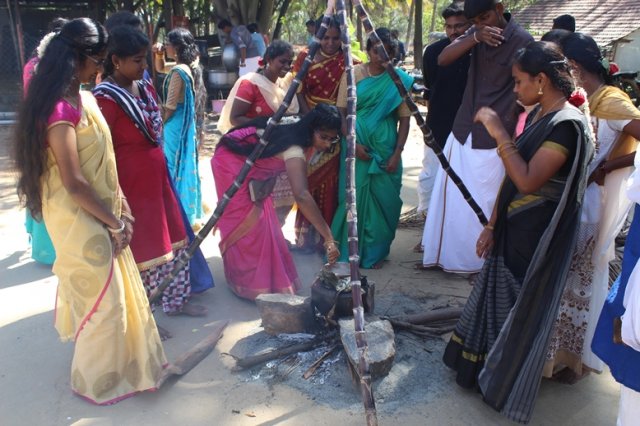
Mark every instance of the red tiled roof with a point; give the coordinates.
(604, 20)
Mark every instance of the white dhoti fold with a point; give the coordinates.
(427, 178)
(629, 411)
(452, 228)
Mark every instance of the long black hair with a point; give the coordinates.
(57, 68)
(545, 57)
(385, 37)
(322, 117)
(585, 51)
(124, 41)
(187, 52)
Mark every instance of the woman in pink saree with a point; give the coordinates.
(254, 252)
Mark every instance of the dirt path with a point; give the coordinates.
(34, 365)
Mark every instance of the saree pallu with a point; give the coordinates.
(377, 191)
(101, 303)
(181, 147)
(321, 83)
(501, 338)
(42, 249)
(320, 86)
(322, 179)
(254, 252)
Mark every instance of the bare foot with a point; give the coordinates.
(472, 278)
(164, 333)
(420, 267)
(418, 248)
(377, 265)
(190, 310)
(568, 376)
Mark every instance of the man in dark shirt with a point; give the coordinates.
(444, 90)
(452, 228)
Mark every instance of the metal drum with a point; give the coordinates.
(230, 58)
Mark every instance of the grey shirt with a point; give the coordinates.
(240, 37)
(490, 83)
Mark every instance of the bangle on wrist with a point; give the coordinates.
(329, 243)
(117, 230)
(475, 38)
(126, 216)
(489, 227)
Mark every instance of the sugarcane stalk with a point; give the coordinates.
(426, 131)
(186, 255)
(364, 373)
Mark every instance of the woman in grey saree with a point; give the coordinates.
(500, 341)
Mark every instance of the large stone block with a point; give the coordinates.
(285, 313)
(380, 344)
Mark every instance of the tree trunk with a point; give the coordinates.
(417, 36)
(412, 9)
(434, 12)
(281, 13)
(265, 12)
(167, 14)
(178, 7)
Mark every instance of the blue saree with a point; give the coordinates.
(181, 147)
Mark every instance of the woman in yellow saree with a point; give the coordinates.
(67, 173)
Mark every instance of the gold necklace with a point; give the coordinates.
(539, 114)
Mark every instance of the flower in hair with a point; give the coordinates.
(577, 98)
(613, 68)
(289, 119)
(261, 62)
(42, 46)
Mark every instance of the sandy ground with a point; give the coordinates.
(34, 365)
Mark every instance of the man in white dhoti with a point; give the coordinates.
(452, 228)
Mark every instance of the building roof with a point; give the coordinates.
(604, 20)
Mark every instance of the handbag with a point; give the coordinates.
(261, 189)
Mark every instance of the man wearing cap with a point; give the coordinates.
(452, 227)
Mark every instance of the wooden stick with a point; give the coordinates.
(185, 362)
(187, 254)
(432, 316)
(426, 131)
(364, 373)
(311, 370)
(252, 361)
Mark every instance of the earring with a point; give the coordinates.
(540, 92)
(118, 67)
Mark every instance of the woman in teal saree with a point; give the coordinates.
(382, 126)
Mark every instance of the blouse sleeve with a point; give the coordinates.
(294, 151)
(403, 110)
(63, 113)
(563, 138)
(245, 92)
(175, 92)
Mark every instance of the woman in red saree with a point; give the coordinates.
(320, 85)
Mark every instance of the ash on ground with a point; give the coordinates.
(417, 365)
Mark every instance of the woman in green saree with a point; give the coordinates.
(382, 126)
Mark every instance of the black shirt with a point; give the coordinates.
(445, 87)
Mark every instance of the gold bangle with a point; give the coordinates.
(117, 230)
(127, 217)
(489, 227)
(159, 53)
(327, 243)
